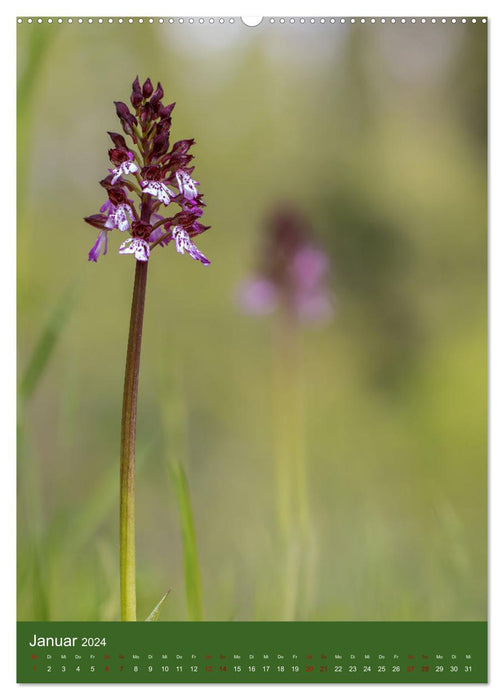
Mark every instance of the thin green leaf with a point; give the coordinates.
(191, 562)
(155, 613)
(46, 343)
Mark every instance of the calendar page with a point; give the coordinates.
(252, 349)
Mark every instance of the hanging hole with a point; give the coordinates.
(251, 21)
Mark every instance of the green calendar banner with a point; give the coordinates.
(245, 652)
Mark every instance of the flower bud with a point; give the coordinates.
(158, 93)
(155, 100)
(182, 146)
(146, 113)
(117, 140)
(165, 112)
(163, 125)
(160, 144)
(179, 161)
(136, 95)
(147, 88)
(127, 119)
(96, 220)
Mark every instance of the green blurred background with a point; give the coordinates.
(378, 135)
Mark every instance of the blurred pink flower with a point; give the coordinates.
(309, 266)
(257, 296)
(293, 273)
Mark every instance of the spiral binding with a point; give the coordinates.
(265, 20)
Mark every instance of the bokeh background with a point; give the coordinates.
(378, 135)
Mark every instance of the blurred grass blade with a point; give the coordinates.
(191, 563)
(47, 342)
(155, 613)
(30, 65)
(84, 523)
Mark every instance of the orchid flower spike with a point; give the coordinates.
(148, 177)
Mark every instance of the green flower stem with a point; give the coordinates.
(282, 409)
(291, 470)
(128, 436)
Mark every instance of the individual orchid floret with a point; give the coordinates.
(100, 244)
(187, 185)
(119, 217)
(183, 244)
(137, 247)
(125, 168)
(149, 174)
(158, 190)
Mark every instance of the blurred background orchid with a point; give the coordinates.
(292, 271)
(292, 282)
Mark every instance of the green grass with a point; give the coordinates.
(47, 342)
(154, 615)
(192, 571)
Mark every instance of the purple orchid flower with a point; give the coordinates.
(125, 168)
(183, 244)
(187, 185)
(158, 190)
(137, 247)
